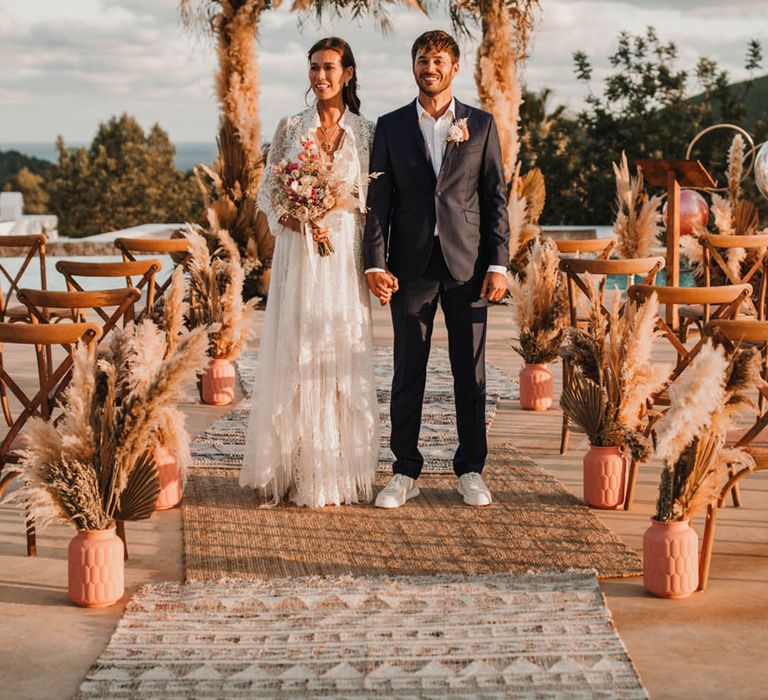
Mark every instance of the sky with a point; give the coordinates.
(66, 66)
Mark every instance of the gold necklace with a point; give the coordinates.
(327, 144)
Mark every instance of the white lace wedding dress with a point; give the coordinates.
(313, 431)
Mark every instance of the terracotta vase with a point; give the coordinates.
(535, 387)
(170, 478)
(217, 385)
(670, 559)
(604, 477)
(96, 568)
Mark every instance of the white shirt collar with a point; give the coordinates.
(448, 114)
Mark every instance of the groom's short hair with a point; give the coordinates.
(436, 40)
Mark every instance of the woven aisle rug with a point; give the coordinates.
(533, 524)
(223, 443)
(525, 636)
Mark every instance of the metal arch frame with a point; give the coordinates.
(751, 153)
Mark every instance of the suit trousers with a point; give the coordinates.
(413, 310)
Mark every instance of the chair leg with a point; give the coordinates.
(121, 534)
(31, 536)
(631, 483)
(564, 431)
(735, 493)
(705, 558)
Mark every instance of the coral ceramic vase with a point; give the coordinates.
(96, 568)
(535, 387)
(218, 383)
(670, 559)
(604, 477)
(170, 478)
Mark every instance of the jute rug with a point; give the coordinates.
(222, 445)
(525, 636)
(534, 524)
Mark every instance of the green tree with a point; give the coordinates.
(645, 109)
(31, 186)
(125, 178)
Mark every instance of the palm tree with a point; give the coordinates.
(506, 28)
(235, 182)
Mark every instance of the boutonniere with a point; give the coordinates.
(458, 132)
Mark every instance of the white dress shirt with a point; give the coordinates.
(435, 132)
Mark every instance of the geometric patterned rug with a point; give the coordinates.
(496, 636)
(222, 445)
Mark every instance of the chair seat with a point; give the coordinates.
(692, 311)
(20, 312)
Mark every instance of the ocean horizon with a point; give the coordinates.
(188, 153)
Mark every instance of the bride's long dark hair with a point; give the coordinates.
(349, 91)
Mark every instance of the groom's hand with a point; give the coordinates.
(382, 285)
(494, 286)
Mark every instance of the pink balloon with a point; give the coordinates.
(693, 208)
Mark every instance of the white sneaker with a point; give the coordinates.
(473, 489)
(399, 489)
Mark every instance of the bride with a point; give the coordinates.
(313, 431)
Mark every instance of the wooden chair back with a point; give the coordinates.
(576, 270)
(601, 247)
(121, 301)
(34, 245)
(178, 248)
(51, 382)
(716, 249)
(144, 270)
(734, 333)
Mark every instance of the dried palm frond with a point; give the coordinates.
(138, 498)
(638, 217)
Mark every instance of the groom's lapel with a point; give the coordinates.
(418, 137)
(462, 111)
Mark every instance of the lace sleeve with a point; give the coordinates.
(267, 200)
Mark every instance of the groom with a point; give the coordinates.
(437, 232)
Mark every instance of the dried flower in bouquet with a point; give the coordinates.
(638, 217)
(540, 305)
(94, 465)
(525, 205)
(690, 438)
(215, 293)
(613, 377)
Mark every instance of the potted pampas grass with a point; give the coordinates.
(94, 466)
(540, 308)
(690, 442)
(638, 217)
(159, 339)
(216, 302)
(611, 380)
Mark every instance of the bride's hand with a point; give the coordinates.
(290, 222)
(320, 234)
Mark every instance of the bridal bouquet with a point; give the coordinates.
(309, 189)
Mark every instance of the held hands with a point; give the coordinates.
(383, 285)
(494, 286)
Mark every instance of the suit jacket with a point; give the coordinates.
(467, 200)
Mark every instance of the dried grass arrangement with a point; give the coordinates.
(613, 377)
(95, 466)
(732, 215)
(525, 206)
(215, 294)
(540, 305)
(638, 217)
(690, 438)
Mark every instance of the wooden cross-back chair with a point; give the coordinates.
(722, 302)
(144, 270)
(716, 248)
(111, 305)
(52, 379)
(176, 247)
(576, 272)
(35, 248)
(735, 333)
(600, 247)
